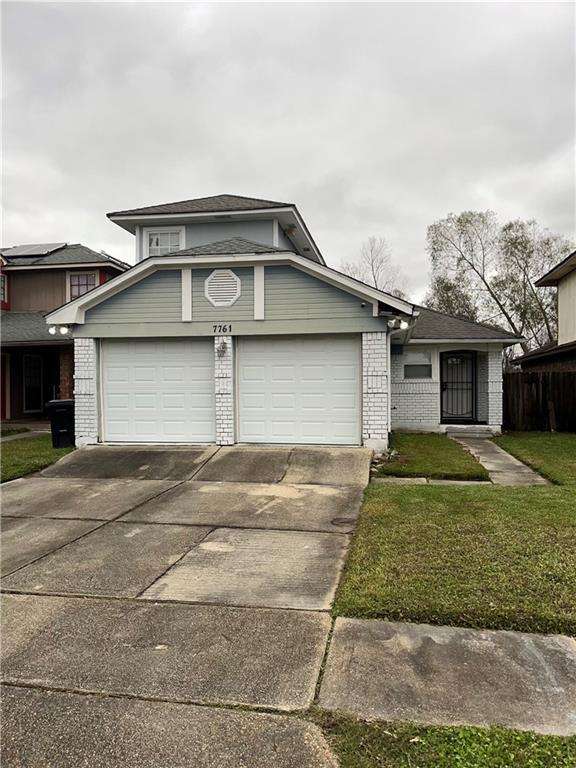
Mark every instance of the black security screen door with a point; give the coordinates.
(458, 386)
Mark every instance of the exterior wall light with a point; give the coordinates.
(395, 322)
(52, 330)
(64, 330)
(403, 325)
(221, 349)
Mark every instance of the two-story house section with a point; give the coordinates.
(559, 355)
(37, 365)
(231, 328)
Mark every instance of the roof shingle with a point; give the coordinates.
(75, 253)
(26, 328)
(214, 204)
(234, 245)
(435, 325)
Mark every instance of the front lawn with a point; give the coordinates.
(553, 454)
(21, 457)
(360, 744)
(7, 431)
(430, 455)
(501, 558)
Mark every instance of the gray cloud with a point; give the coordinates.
(373, 118)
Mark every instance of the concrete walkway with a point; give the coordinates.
(503, 468)
(451, 676)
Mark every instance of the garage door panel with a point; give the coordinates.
(159, 391)
(307, 389)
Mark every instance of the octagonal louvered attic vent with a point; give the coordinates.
(222, 288)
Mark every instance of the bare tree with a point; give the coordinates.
(375, 267)
(495, 268)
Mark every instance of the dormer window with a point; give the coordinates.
(159, 242)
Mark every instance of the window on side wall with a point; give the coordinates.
(80, 283)
(4, 287)
(417, 365)
(163, 241)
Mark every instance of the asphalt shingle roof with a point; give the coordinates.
(26, 327)
(75, 253)
(214, 204)
(435, 325)
(231, 246)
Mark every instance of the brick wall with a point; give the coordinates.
(224, 383)
(375, 394)
(66, 384)
(495, 388)
(85, 391)
(415, 402)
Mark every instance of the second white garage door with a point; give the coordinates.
(299, 389)
(159, 391)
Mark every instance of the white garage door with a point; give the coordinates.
(159, 391)
(299, 389)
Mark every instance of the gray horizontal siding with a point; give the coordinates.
(260, 231)
(292, 294)
(243, 307)
(157, 298)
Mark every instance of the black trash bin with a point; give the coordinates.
(61, 414)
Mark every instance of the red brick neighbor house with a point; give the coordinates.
(37, 366)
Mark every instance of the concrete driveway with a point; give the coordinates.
(178, 575)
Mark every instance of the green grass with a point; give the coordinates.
(501, 558)
(429, 455)
(360, 744)
(7, 431)
(21, 457)
(553, 454)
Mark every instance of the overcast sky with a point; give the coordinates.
(375, 119)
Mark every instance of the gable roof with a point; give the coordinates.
(74, 311)
(553, 276)
(213, 204)
(231, 246)
(431, 324)
(56, 254)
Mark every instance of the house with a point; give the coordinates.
(231, 328)
(560, 355)
(37, 365)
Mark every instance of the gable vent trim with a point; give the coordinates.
(222, 288)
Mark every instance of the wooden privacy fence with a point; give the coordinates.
(544, 401)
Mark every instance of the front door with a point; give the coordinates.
(458, 397)
(33, 384)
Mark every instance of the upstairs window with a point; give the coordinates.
(159, 242)
(80, 283)
(4, 288)
(417, 365)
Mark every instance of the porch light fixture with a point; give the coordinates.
(52, 330)
(395, 322)
(64, 330)
(403, 325)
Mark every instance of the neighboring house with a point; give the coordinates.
(231, 328)
(560, 355)
(37, 366)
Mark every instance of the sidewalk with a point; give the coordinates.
(503, 468)
(442, 675)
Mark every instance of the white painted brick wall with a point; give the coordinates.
(416, 402)
(224, 384)
(375, 393)
(86, 391)
(495, 388)
(482, 386)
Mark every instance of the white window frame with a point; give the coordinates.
(69, 274)
(418, 350)
(146, 231)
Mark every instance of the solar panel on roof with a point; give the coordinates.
(36, 249)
